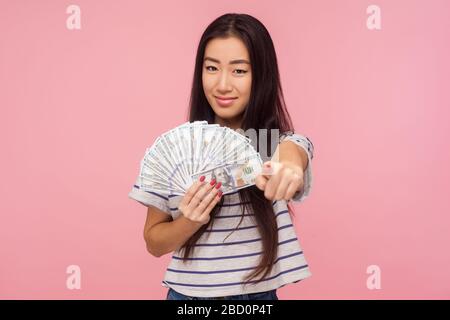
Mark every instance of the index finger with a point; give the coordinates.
(192, 191)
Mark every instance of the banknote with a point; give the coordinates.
(233, 176)
(179, 156)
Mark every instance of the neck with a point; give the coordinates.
(230, 123)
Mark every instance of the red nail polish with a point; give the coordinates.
(219, 194)
(202, 178)
(218, 185)
(213, 181)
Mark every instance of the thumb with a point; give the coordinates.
(267, 168)
(262, 178)
(261, 182)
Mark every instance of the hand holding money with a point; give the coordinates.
(199, 200)
(280, 180)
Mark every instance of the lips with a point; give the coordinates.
(224, 98)
(224, 101)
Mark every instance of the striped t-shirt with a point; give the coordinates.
(221, 258)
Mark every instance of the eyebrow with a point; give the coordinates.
(231, 62)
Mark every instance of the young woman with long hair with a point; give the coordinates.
(241, 245)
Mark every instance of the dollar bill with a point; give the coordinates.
(233, 176)
(179, 156)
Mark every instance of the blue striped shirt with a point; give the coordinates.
(222, 258)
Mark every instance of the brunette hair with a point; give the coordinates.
(266, 109)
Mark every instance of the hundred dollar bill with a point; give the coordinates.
(152, 180)
(234, 176)
(154, 161)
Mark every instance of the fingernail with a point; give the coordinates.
(213, 181)
(218, 185)
(202, 178)
(219, 194)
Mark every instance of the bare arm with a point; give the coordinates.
(163, 235)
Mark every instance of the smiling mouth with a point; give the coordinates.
(225, 98)
(225, 102)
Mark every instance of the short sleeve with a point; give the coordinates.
(149, 198)
(305, 143)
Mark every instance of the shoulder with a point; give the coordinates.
(148, 197)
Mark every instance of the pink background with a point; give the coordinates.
(79, 107)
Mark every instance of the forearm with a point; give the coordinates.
(167, 237)
(289, 152)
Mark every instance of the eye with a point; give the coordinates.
(240, 71)
(243, 71)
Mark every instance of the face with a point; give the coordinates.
(227, 73)
(220, 176)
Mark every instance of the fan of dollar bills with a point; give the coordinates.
(180, 156)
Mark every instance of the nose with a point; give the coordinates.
(224, 84)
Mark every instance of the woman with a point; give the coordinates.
(241, 245)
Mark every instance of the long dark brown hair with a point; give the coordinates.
(266, 110)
